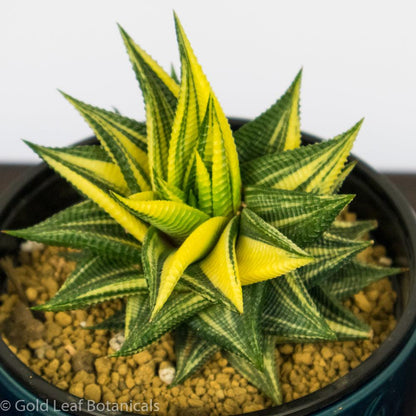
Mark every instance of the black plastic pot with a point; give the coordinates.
(382, 385)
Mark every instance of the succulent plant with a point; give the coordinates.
(231, 239)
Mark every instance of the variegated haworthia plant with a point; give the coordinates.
(229, 238)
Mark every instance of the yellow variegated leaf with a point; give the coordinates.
(348, 168)
(204, 92)
(160, 95)
(122, 141)
(186, 124)
(128, 221)
(314, 168)
(173, 218)
(144, 196)
(90, 161)
(203, 185)
(169, 191)
(195, 247)
(276, 130)
(220, 266)
(263, 252)
(158, 71)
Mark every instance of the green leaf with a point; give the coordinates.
(354, 277)
(267, 380)
(290, 313)
(160, 94)
(330, 253)
(352, 230)
(191, 353)
(232, 331)
(97, 279)
(123, 140)
(176, 219)
(314, 168)
(140, 332)
(300, 216)
(87, 177)
(84, 226)
(341, 320)
(274, 131)
(263, 252)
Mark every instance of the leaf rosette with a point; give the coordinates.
(231, 238)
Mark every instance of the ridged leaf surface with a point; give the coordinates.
(263, 252)
(232, 331)
(330, 253)
(267, 380)
(341, 320)
(89, 182)
(276, 130)
(300, 216)
(140, 332)
(314, 168)
(191, 353)
(160, 94)
(355, 276)
(84, 226)
(290, 313)
(97, 279)
(124, 140)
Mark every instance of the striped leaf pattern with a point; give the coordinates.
(300, 216)
(355, 276)
(341, 320)
(90, 183)
(263, 252)
(140, 332)
(84, 226)
(239, 257)
(314, 168)
(267, 380)
(123, 139)
(97, 279)
(160, 94)
(92, 162)
(208, 104)
(191, 353)
(155, 251)
(274, 131)
(232, 331)
(336, 186)
(352, 230)
(220, 266)
(290, 313)
(330, 253)
(196, 246)
(174, 218)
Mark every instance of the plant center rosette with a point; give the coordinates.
(230, 239)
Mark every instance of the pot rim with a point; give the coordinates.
(379, 360)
